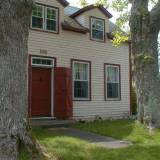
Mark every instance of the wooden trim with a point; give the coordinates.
(105, 93)
(90, 77)
(87, 8)
(30, 77)
(130, 76)
(44, 30)
(102, 41)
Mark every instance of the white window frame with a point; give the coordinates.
(81, 62)
(91, 25)
(45, 18)
(42, 65)
(106, 82)
(39, 17)
(51, 19)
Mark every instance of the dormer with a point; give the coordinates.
(95, 19)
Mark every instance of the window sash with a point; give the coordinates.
(94, 28)
(87, 80)
(108, 82)
(38, 17)
(50, 19)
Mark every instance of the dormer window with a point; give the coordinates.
(97, 29)
(45, 18)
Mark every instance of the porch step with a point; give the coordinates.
(51, 122)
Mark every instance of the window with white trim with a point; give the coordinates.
(43, 62)
(112, 73)
(81, 80)
(45, 18)
(97, 29)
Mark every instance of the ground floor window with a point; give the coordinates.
(81, 79)
(112, 82)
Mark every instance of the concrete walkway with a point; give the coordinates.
(99, 140)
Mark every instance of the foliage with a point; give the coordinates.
(69, 148)
(83, 3)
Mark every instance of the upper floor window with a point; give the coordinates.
(45, 18)
(97, 29)
(112, 73)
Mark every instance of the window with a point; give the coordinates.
(112, 73)
(38, 17)
(44, 62)
(81, 80)
(97, 29)
(45, 18)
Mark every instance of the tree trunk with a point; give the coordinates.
(144, 36)
(14, 30)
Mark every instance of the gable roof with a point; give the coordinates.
(100, 7)
(63, 2)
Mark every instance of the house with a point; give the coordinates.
(74, 69)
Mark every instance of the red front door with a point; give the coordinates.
(41, 92)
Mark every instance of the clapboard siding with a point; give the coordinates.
(71, 45)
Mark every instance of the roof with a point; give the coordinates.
(71, 23)
(87, 8)
(63, 2)
(69, 10)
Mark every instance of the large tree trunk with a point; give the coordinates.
(144, 36)
(14, 30)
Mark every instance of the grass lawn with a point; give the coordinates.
(144, 147)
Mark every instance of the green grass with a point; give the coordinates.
(145, 147)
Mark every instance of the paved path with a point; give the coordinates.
(99, 140)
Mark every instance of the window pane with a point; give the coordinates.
(97, 34)
(80, 71)
(37, 22)
(112, 74)
(80, 89)
(51, 25)
(98, 24)
(37, 11)
(51, 14)
(113, 90)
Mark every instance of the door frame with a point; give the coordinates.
(30, 66)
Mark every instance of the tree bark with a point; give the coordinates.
(14, 29)
(144, 36)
